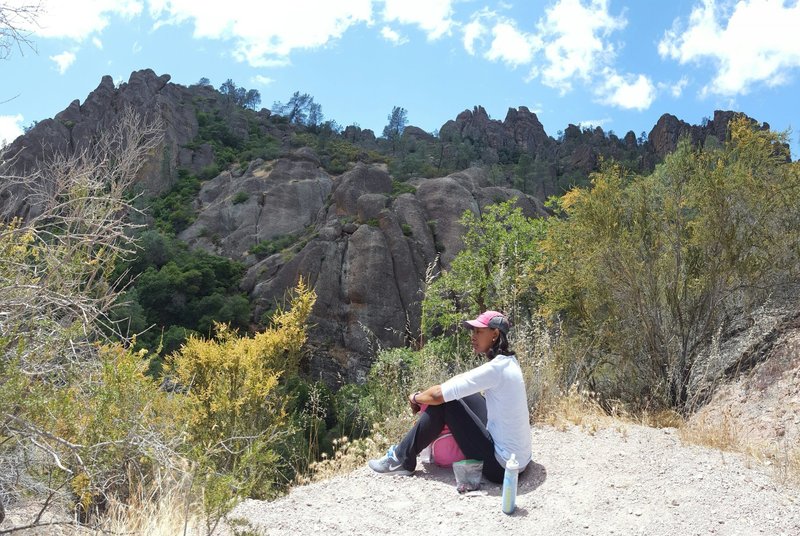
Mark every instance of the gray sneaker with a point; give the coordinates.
(389, 465)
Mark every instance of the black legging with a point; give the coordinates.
(468, 429)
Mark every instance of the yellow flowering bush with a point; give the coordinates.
(235, 401)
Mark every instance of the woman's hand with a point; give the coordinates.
(431, 397)
(412, 401)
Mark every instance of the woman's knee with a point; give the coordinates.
(436, 410)
(435, 414)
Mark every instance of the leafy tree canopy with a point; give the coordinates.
(398, 120)
(645, 270)
(300, 110)
(495, 269)
(246, 98)
(176, 292)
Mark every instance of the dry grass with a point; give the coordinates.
(725, 433)
(162, 510)
(575, 407)
(721, 433)
(167, 508)
(665, 418)
(348, 456)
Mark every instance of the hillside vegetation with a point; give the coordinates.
(617, 295)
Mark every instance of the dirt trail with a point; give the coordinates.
(624, 480)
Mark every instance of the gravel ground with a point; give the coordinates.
(622, 480)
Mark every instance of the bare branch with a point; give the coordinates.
(15, 27)
(56, 294)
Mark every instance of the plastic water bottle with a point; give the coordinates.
(510, 485)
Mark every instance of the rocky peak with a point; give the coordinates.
(525, 129)
(664, 137)
(415, 133)
(630, 140)
(669, 130)
(473, 125)
(520, 132)
(78, 125)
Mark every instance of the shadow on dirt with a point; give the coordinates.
(533, 477)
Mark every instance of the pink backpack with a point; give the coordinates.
(444, 450)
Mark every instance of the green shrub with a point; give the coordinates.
(399, 188)
(259, 145)
(209, 172)
(178, 291)
(173, 211)
(236, 404)
(214, 129)
(303, 139)
(397, 372)
(494, 270)
(265, 248)
(240, 197)
(645, 270)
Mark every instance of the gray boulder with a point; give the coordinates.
(444, 201)
(366, 257)
(267, 201)
(362, 179)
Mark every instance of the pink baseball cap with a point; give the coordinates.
(489, 319)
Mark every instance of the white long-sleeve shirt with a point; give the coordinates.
(508, 420)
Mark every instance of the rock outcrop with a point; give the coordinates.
(520, 132)
(365, 251)
(669, 130)
(748, 380)
(236, 212)
(77, 126)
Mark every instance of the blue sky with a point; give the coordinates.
(610, 63)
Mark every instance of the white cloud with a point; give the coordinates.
(628, 92)
(97, 43)
(10, 128)
(434, 17)
(751, 42)
(508, 43)
(64, 60)
(574, 41)
(511, 45)
(536, 108)
(261, 80)
(265, 33)
(677, 88)
(78, 19)
(593, 123)
(393, 36)
(473, 31)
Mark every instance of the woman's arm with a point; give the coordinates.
(431, 396)
(473, 381)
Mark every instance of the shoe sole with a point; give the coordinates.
(404, 472)
(399, 472)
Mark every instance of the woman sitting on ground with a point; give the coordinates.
(489, 428)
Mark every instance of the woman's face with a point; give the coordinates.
(483, 339)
